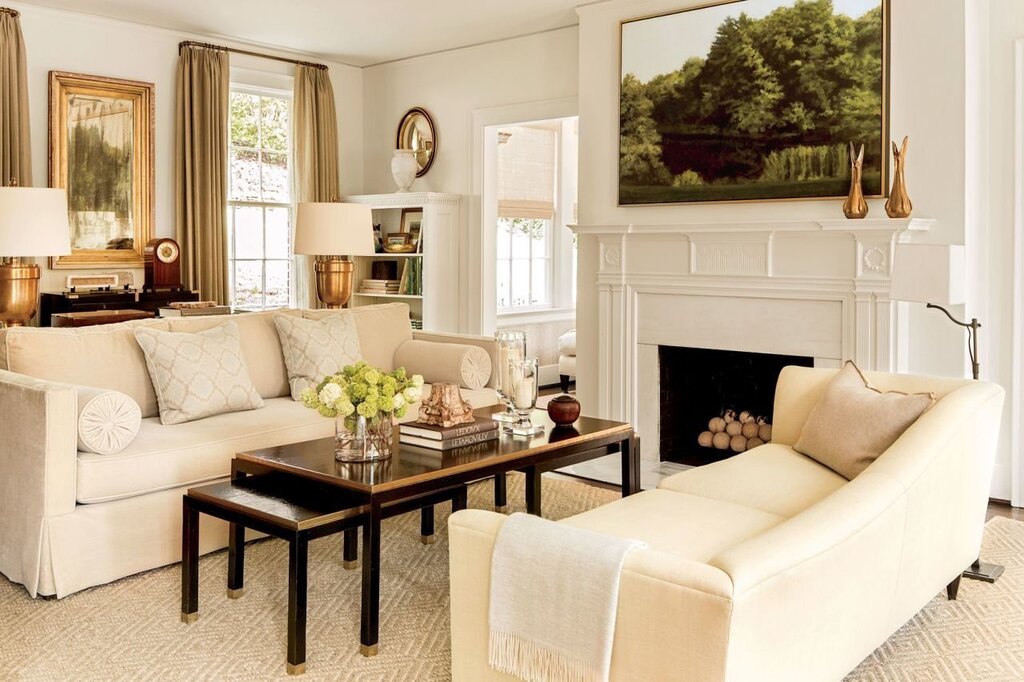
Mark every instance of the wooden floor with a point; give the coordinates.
(1005, 510)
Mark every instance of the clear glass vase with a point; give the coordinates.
(357, 439)
(511, 348)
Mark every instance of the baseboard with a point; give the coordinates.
(548, 375)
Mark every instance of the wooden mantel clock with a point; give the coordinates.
(163, 264)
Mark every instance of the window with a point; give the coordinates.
(259, 199)
(536, 193)
(524, 263)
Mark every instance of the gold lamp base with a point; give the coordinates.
(19, 292)
(333, 281)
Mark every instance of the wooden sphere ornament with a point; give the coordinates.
(445, 407)
(716, 425)
(738, 443)
(749, 429)
(733, 428)
(705, 439)
(720, 441)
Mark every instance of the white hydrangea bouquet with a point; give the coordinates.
(364, 401)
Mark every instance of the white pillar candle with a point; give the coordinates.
(502, 381)
(524, 394)
(514, 356)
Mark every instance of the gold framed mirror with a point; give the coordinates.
(416, 132)
(101, 152)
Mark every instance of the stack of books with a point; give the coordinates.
(412, 277)
(379, 286)
(194, 309)
(445, 438)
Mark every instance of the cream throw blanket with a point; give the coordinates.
(554, 593)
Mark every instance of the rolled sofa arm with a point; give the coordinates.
(486, 342)
(673, 613)
(38, 455)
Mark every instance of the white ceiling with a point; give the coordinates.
(357, 32)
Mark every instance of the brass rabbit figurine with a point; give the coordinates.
(855, 206)
(898, 204)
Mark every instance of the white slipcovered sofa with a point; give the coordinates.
(69, 519)
(768, 565)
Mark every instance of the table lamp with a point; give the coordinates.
(935, 274)
(33, 223)
(333, 231)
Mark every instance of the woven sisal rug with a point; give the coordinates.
(130, 630)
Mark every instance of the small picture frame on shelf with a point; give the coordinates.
(378, 238)
(412, 220)
(400, 239)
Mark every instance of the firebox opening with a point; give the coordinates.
(716, 403)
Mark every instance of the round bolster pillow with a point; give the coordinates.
(108, 421)
(456, 363)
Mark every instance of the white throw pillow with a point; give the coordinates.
(108, 421)
(198, 375)
(315, 348)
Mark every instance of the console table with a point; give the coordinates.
(118, 299)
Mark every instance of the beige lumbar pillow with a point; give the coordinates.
(315, 348)
(854, 422)
(198, 375)
(108, 421)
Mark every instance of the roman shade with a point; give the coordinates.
(526, 172)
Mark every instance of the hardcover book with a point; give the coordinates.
(449, 443)
(435, 432)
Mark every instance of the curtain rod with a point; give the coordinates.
(8, 10)
(209, 46)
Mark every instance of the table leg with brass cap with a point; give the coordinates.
(369, 628)
(189, 563)
(427, 536)
(350, 549)
(298, 555)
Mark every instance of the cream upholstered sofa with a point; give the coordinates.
(768, 566)
(69, 519)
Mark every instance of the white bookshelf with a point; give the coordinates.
(437, 307)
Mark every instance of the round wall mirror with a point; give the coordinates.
(416, 132)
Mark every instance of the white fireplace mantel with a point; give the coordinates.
(818, 288)
(866, 225)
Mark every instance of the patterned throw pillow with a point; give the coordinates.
(198, 375)
(315, 348)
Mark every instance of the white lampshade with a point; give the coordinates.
(333, 229)
(34, 222)
(929, 273)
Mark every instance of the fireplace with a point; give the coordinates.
(716, 403)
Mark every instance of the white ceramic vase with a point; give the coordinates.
(403, 168)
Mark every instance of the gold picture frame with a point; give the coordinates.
(102, 153)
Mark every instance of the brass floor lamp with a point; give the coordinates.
(925, 273)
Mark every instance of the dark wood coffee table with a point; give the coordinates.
(413, 474)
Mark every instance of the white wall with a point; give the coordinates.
(453, 86)
(997, 192)
(68, 41)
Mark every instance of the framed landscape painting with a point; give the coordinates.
(101, 152)
(753, 100)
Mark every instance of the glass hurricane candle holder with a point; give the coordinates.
(511, 346)
(523, 389)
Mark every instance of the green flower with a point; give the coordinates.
(356, 391)
(368, 410)
(308, 397)
(346, 408)
(327, 412)
(400, 374)
(372, 377)
(400, 412)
